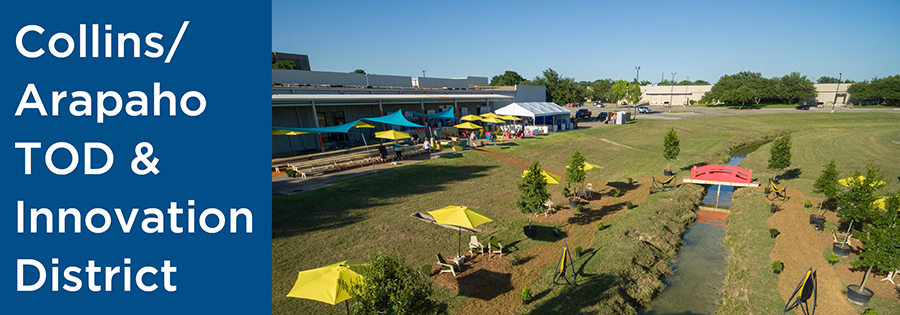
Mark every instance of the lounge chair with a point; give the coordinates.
(839, 237)
(662, 184)
(590, 191)
(474, 244)
(445, 267)
(494, 247)
(773, 193)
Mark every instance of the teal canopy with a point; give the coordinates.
(396, 119)
(446, 114)
(345, 128)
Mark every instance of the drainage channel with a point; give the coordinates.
(699, 268)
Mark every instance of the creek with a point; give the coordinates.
(699, 269)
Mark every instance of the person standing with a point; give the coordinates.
(426, 146)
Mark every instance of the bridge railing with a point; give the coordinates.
(722, 173)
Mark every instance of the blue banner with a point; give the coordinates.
(136, 140)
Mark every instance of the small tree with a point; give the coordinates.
(286, 65)
(391, 287)
(780, 154)
(532, 192)
(827, 183)
(856, 202)
(575, 170)
(881, 248)
(672, 147)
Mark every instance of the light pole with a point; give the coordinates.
(423, 73)
(637, 77)
(840, 76)
(672, 92)
(686, 98)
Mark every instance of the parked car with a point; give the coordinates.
(803, 107)
(583, 113)
(643, 109)
(599, 105)
(602, 116)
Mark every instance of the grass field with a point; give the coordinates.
(356, 217)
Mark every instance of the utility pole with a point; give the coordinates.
(840, 76)
(686, 97)
(637, 77)
(672, 92)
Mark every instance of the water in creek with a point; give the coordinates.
(699, 269)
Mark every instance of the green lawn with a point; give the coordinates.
(354, 218)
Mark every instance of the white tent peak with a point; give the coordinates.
(532, 109)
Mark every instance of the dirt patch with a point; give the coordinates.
(801, 247)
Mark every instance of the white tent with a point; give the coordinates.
(532, 109)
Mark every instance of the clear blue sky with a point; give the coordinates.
(589, 40)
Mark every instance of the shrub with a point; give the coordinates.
(513, 260)
(615, 192)
(579, 250)
(600, 225)
(290, 172)
(833, 258)
(870, 312)
(630, 181)
(426, 270)
(773, 231)
(579, 208)
(777, 266)
(808, 203)
(526, 294)
(629, 205)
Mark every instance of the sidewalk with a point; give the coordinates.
(284, 185)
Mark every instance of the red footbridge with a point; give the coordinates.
(727, 175)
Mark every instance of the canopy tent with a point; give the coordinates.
(396, 119)
(345, 128)
(533, 110)
(446, 114)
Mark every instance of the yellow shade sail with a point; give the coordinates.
(491, 115)
(321, 284)
(467, 125)
(470, 117)
(549, 178)
(493, 120)
(510, 117)
(287, 132)
(391, 134)
(850, 180)
(590, 167)
(362, 124)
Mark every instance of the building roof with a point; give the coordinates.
(349, 98)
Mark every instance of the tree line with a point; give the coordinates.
(883, 91)
(564, 90)
(751, 87)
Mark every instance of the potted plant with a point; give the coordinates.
(615, 193)
(290, 172)
(777, 267)
(578, 251)
(600, 226)
(573, 203)
(671, 149)
(629, 205)
(833, 259)
(773, 232)
(808, 203)
(526, 295)
(532, 196)
(773, 207)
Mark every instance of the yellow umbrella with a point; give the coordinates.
(362, 124)
(510, 117)
(549, 178)
(321, 284)
(491, 115)
(492, 120)
(277, 132)
(470, 117)
(850, 180)
(458, 216)
(391, 134)
(590, 167)
(467, 125)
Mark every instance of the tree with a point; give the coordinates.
(880, 238)
(855, 203)
(559, 90)
(701, 82)
(285, 64)
(795, 87)
(780, 154)
(672, 147)
(633, 93)
(575, 169)
(508, 78)
(532, 192)
(391, 287)
(879, 91)
(827, 183)
(827, 79)
(600, 90)
(645, 82)
(360, 71)
(619, 91)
